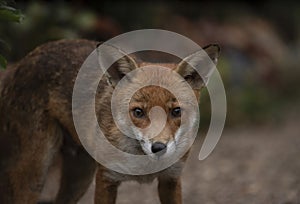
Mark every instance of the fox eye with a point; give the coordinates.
(138, 113)
(176, 112)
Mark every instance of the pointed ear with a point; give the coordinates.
(204, 61)
(122, 63)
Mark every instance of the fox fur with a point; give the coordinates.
(36, 124)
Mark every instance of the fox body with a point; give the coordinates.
(36, 123)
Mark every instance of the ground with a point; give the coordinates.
(258, 165)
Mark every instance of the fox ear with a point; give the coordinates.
(122, 63)
(201, 62)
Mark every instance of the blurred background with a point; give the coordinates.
(256, 159)
(260, 41)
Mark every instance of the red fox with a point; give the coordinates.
(36, 124)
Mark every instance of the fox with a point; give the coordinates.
(36, 124)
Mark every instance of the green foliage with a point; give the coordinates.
(3, 62)
(10, 14)
(7, 14)
(67, 23)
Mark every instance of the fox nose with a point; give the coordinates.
(158, 147)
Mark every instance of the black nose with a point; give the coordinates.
(158, 147)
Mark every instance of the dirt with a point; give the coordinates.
(258, 165)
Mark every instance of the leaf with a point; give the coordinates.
(3, 62)
(8, 13)
(4, 46)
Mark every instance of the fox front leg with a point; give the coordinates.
(169, 190)
(106, 189)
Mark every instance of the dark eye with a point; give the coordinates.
(138, 113)
(189, 78)
(176, 112)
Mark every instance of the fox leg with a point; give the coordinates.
(78, 169)
(106, 189)
(23, 179)
(169, 190)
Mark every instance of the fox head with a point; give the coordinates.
(154, 115)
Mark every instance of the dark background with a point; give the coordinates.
(259, 40)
